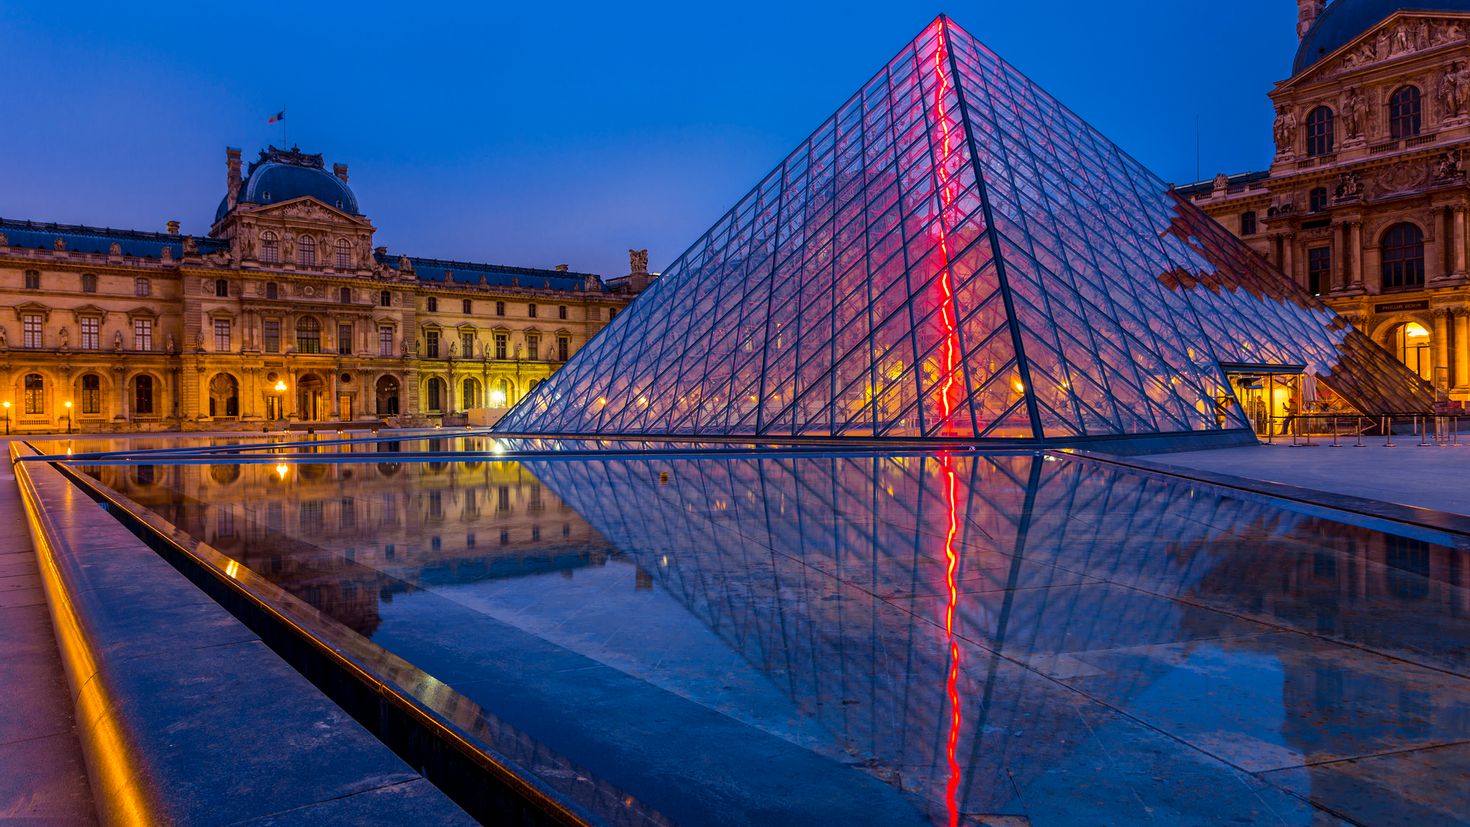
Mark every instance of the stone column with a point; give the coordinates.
(336, 399)
(1441, 342)
(1288, 257)
(1458, 259)
(1462, 347)
(1356, 246)
(119, 380)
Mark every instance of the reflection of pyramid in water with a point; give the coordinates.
(953, 253)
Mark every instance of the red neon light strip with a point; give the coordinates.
(947, 197)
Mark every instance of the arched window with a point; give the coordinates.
(270, 247)
(1248, 222)
(1405, 113)
(91, 387)
(502, 396)
(436, 394)
(221, 288)
(1320, 133)
(1402, 250)
(308, 335)
(471, 396)
(345, 295)
(306, 251)
(35, 393)
(89, 283)
(343, 254)
(143, 394)
(272, 290)
(1411, 344)
(1317, 199)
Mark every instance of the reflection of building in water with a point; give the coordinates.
(828, 576)
(344, 536)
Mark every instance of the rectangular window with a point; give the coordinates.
(531, 310)
(142, 287)
(91, 333)
(271, 333)
(466, 304)
(35, 389)
(142, 334)
(431, 344)
(344, 339)
(385, 341)
(501, 341)
(467, 345)
(561, 311)
(563, 348)
(33, 280)
(31, 329)
(433, 305)
(533, 346)
(91, 394)
(500, 308)
(222, 335)
(1319, 269)
(612, 313)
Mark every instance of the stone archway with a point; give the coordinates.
(386, 392)
(310, 398)
(224, 396)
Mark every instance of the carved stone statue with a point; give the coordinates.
(63, 336)
(59, 244)
(1355, 114)
(1448, 165)
(453, 349)
(199, 341)
(4, 242)
(114, 249)
(1349, 185)
(169, 344)
(1285, 130)
(1451, 93)
(1222, 183)
(288, 247)
(4, 342)
(117, 341)
(638, 262)
(404, 264)
(247, 245)
(167, 255)
(191, 247)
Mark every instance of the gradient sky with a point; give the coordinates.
(534, 134)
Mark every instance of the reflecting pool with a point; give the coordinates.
(940, 638)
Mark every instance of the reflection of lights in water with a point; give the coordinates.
(664, 561)
(951, 684)
(496, 447)
(282, 470)
(1019, 386)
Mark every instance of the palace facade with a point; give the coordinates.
(1365, 201)
(287, 311)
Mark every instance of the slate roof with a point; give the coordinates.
(40, 235)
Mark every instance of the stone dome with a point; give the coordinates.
(1343, 20)
(285, 174)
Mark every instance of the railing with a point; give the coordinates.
(1421, 140)
(1430, 430)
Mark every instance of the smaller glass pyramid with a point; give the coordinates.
(954, 254)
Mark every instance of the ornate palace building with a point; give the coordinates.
(1365, 202)
(286, 311)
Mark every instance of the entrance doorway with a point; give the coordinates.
(1268, 399)
(309, 393)
(344, 404)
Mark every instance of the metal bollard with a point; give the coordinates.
(1335, 443)
(1388, 432)
(1423, 431)
(1358, 426)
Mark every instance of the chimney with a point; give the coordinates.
(340, 170)
(232, 177)
(562, 268)
(1307, 12)
(173, 227)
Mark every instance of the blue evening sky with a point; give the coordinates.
(534, 133)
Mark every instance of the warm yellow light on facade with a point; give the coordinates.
(497, 399)
(282, 470)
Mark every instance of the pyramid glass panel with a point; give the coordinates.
(954, 254)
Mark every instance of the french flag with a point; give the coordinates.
(279, 116)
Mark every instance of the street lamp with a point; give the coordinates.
(68, 415)
(280, 390)
(6, 403)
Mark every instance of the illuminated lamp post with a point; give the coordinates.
(68, 415)
(280, 390)
(6, 403)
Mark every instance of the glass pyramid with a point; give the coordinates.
(954, 254)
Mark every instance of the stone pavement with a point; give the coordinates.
(1422, 477)
(42, 777)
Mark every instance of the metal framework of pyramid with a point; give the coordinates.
(954, 254)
